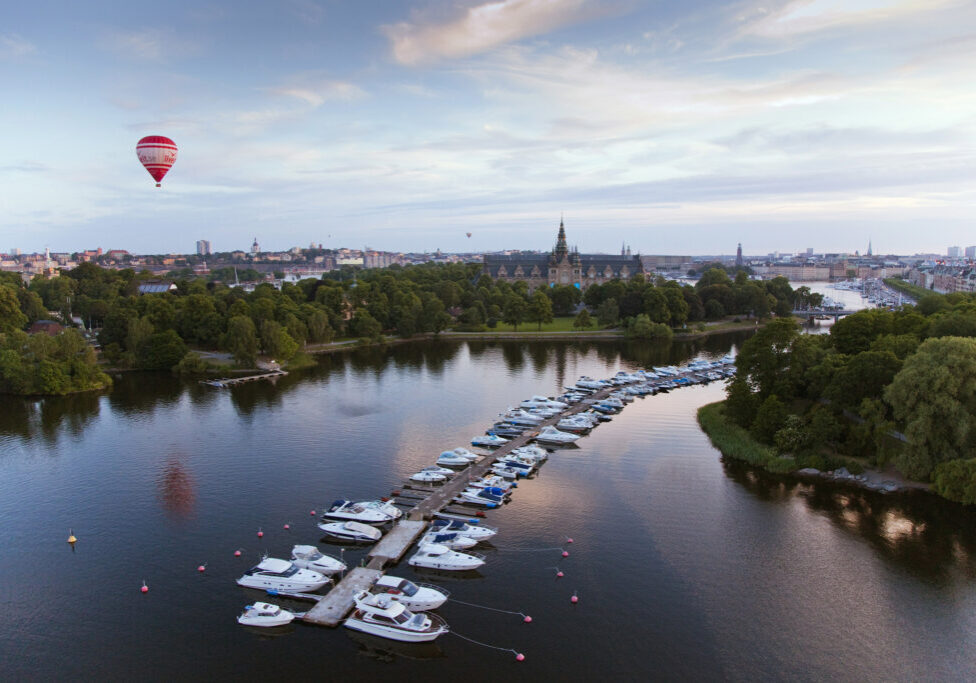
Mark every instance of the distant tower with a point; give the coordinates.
(738, 255)
(561, 249)
(254, 247)
(869, 247)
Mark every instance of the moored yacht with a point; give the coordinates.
(265, 615)
(488, 441)
(351, 532)
(550, 434)
(370, 512)
(436, 556)
(417, 597)
(475, 531)
(381, 615)
(275, 574)
(309, 557)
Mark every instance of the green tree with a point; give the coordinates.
(764, 358)
(863, 376)
(276, 341)
(11, 317)
(582, 320)
(934, 395)
(564, 299)
(515, 311)
(770, 418)
(161, 351)
(608, 315)
(956, 480)
(241, 340)
(741, 403)
(540, 308)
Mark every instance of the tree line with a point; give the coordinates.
(155, 331)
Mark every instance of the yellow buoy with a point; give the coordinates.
(71, 536)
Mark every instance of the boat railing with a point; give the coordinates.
(433, 587)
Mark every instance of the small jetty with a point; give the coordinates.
(231, 381)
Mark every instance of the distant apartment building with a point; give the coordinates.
(666, 262)
(954, 252)
(379, 259)
(971, 252)
(203, 248)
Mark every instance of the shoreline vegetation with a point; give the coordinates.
(737, 443)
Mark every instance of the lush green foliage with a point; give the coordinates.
(956, 480)
(42, 364)
(877, 373)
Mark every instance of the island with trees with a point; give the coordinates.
(884, 388)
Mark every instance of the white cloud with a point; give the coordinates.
(315, 94)
(13, 46)
(808, 16)
(484, 27)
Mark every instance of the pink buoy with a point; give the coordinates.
(287, 526)
(565, 553)
(260, 533)
(237, 553)
(559, 575)
(569, 540)
(311, 512)
(202, 568)
(528, 619)
(519, 657)
(145, 588)
(574, 599)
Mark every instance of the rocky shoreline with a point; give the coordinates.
(873, 480)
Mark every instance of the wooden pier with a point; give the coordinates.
(230, 381)
(337, 603)
(395, 543)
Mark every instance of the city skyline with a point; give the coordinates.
(407, 126)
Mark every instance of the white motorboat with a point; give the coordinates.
(493, 480)
(371, 512)
(574, 424)
(452, 459)
(451, 539)
(428, 476)
(521, 417)
(551, 402)
(417, 597)
(550, 434)
(265, 615)
(309, 557)
(475, 531)
(506, 471)
(275, 574)
(351, 532)
(381, 615)
(488, 441)
(484, 497)
(534, 453)
(585, 382)
(518, 463)
(436, 556)
(465, 453)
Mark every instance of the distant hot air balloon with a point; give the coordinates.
(157, 154)
(468, 234)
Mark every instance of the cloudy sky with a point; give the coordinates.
(677, 127)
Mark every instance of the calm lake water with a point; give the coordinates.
(686, 567)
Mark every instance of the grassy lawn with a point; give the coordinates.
(557, 325)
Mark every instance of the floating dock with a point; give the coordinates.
(337, 603)
(230, 381)
(395, 543)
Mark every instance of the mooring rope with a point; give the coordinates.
(493, 609)
(478, 642)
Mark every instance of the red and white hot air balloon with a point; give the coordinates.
(158, 154)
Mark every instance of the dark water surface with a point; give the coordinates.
(686, 567)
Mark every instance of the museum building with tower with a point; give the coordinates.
(563, 266)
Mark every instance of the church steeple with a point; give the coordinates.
(561, 249)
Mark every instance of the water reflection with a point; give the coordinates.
(385, 650)
(924, 535)
(176, 487)
(48, 418)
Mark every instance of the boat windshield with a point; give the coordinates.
(403, 617)
(409, 589)
(313, 556)
(288, 572)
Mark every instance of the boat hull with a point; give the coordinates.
(391, 633)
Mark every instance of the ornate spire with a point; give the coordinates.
(561, 249)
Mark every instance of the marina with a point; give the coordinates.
(181, 490)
